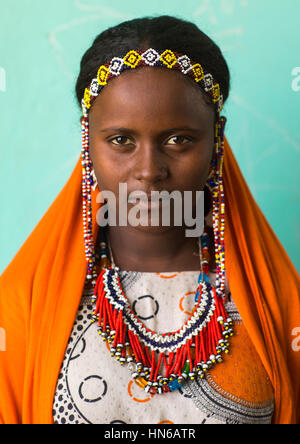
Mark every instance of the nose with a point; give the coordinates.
(150, 166)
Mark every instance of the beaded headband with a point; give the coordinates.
(166, 59)
(171, 60)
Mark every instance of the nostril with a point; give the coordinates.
(151, 169)
(151, 175)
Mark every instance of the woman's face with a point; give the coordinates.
(151, 129)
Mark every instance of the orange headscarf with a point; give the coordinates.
(40, 292)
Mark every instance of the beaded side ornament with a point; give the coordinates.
(198, 345)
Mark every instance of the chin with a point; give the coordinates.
(151, 229)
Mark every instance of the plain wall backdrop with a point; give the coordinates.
(41, 45)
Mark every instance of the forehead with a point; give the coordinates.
(158, 94)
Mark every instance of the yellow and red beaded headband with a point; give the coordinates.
(166, 59)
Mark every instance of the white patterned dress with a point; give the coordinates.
(93, 388)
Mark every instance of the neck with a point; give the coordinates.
(155, 251)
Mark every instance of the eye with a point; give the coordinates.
(120, 140)
(178, 140)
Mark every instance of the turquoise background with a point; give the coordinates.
(41, 45)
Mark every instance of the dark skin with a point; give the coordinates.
(152, 129)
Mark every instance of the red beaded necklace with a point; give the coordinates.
(162, 362)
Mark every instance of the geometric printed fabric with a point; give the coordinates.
(93, 388)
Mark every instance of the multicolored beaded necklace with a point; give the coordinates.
(160, 363)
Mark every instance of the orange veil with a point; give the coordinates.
(40, 292)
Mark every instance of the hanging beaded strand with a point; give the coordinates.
(87, 182)
(216, 184)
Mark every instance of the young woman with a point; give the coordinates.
(192, 329)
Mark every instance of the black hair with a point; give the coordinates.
(162, 32)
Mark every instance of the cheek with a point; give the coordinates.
(192, 173)
(106, 180)
(109, 171)
(196, 165)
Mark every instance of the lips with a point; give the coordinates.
(144, 200)
(139, 194)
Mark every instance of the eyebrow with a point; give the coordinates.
(167, 131)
